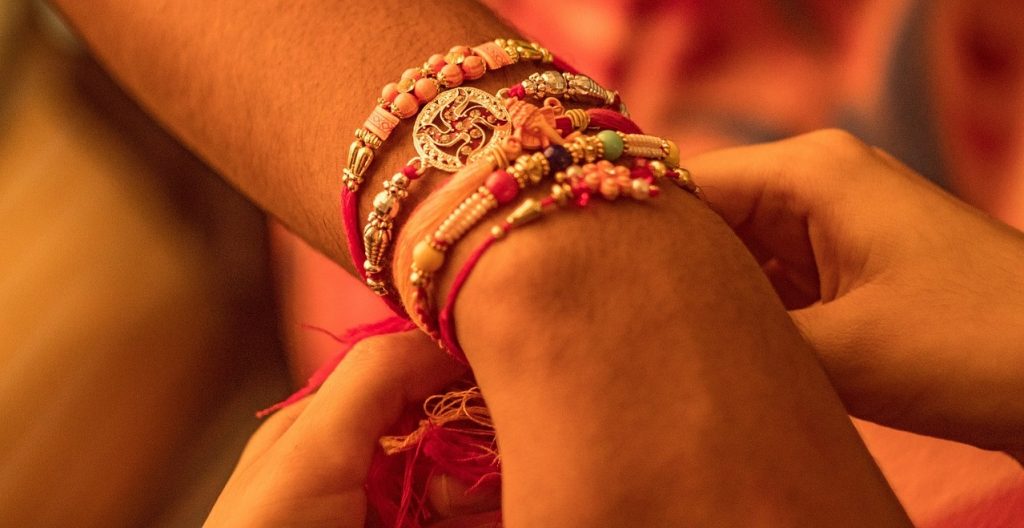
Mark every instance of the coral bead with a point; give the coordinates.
(473, 67)
(460, 50)
(609, 189)
(426, 90)
(436, 62)
(426, 257)
(405, 105)
(503, 186)
(451, 75)
(412, 73)
(389, 92)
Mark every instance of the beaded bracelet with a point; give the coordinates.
(402, 99)
(502, 186)
(418, 86)
(568, 87)
(571, 187)
(524, 119)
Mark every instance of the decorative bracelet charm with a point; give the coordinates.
(418, 86)
(457, 126)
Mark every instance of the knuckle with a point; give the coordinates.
(839, 154)
(838, 141)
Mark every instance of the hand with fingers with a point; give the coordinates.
(913, 300)
(307, 465)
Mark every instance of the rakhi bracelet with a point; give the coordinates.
(418, 86)
(568, 87)
(429, 82)
(530, 169)
(502, 186)
(528, 125)
(577, 188)
(378, 231)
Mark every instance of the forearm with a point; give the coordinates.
(269, 94)
(644, 374)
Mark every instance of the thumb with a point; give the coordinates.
(845, 337)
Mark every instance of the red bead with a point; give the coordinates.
(517, 91)
(503, 186)
(564, 125)
(641, 172)
(410, 172)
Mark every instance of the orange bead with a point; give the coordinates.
(451, 75)
(426, 90)
(473, 67)
(389, 92)
(405, 105)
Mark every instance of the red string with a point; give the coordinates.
(356, 250)
(560, 64)
(348, 340)
(612, 120)
(446, 320)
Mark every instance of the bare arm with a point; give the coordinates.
(268, 93)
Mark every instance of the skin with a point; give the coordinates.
(895, 283)
(686, 396)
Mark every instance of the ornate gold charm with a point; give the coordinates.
(458, 126)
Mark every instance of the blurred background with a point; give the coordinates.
(138, 333)
(147, 310)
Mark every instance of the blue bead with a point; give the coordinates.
(558, 157)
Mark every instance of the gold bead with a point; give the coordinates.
(641, 189)
(527, 211)
(657, 168)
(426, 257)
(672, 156)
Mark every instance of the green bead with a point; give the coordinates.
(612, 144)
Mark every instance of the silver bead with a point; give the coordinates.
(385, 204)
(400, 180)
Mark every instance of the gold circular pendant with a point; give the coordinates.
(456, 127)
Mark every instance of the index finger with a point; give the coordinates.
(365, 395)
(778, 196)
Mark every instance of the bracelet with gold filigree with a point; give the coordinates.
(445, 128)
(418, 86)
